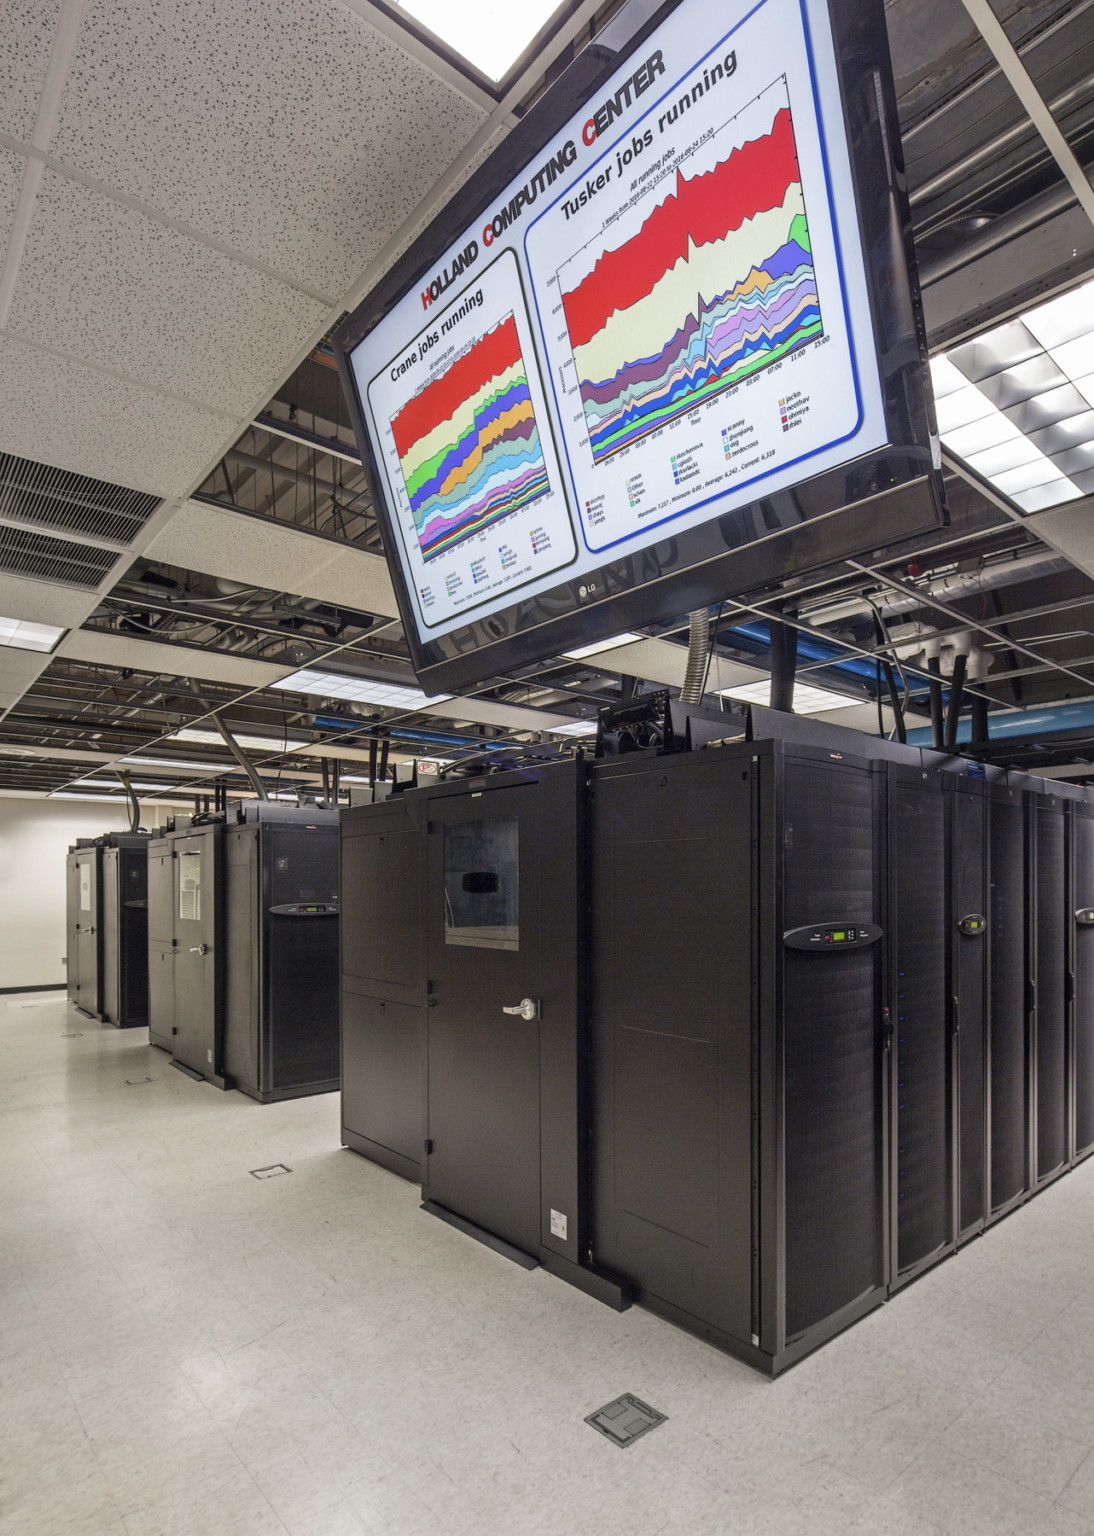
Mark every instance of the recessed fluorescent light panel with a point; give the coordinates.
(602, 645)
(362, 690)
(1017, 404)
(579, 728)
(22, 636)
(255, 743)
(807, 699)
(177, 762)
(134, 783)
(71, 794)
(490, 34)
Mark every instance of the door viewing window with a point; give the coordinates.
(481, 884)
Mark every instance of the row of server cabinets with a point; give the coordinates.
(243, 949)
(106, 923)
(752, 1035)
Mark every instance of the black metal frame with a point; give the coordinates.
(866, 504)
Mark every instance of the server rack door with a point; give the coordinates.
(1082, 901)
(1007, 1052)
(133, 882)
(968, 924)
(922, 1058)
(1050, 1022)
(89, 935)
(72, 928)
(162, 901)
(110, 917)
(300, 954)
(488, 870)
(674, 997)
(198, 961)
(244, 997)
(383, 983)
(833, 1045)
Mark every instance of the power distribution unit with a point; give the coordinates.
(280, 899)
(125, 931)
(741, 1042)
(383, 983)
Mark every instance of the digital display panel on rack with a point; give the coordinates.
(594, 396)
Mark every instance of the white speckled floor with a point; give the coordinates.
(188, 1351)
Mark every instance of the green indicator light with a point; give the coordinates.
(839, 937)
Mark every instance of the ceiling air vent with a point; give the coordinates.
(55, 501)
(60, 561)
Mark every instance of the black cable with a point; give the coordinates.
(953, 707)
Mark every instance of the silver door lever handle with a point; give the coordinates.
(526, 1009)
(199, 949)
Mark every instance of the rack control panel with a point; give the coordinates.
(1085, 917)
(974, 924)
(822, 938)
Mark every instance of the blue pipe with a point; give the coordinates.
(1027, 722)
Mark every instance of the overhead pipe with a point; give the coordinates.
(1002, 573)
(241, 757)
(784, 662)
(978, 726)
(953, 706)
(1022, 723)
(131, 797)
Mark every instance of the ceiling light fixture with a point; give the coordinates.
(255, 743)
(602, 645)
(363, 690)
(807, 699)
(23, 636)
(70, 794)
(490, 34)
(176, 762)
(578, 728)
(1017, 403)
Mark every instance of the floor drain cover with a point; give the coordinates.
(271, 1172)
(623, 1420)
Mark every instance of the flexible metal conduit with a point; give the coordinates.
(241, 758)
(698, 656)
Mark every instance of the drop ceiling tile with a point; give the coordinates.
(103, 282)
(39, 602)
(26, 38)
(11, 176)
(263, 553)
(103, 648)
(298, 134)
(61, 413)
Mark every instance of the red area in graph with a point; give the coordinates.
(498, 350)
(705, 208)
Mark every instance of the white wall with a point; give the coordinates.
(34, 837)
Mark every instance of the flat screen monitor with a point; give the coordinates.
(664, 348)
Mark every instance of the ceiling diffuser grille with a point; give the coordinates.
(57, 501)
(35, 555)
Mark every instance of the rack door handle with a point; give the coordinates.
(527, 1009)
(199, 949)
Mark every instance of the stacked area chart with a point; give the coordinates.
(716, 284)
(468, 443)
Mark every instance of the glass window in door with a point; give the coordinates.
(481, 883)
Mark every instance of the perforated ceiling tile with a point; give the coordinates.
(268, 554)
(110, 650)
(105, 283)
(26, 37)
(11, 176)
(62, 413)
(38, 604)
(296, 133)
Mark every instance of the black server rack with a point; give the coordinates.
(197, 1039)
(162, 942)
(83, 963)
(968, 811)
(124, 923)
(1009, 993)
(1049, 1042)
(280, 951)
(740, 1047)
(1079, 918)
(923, 1067)
(383, 983)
